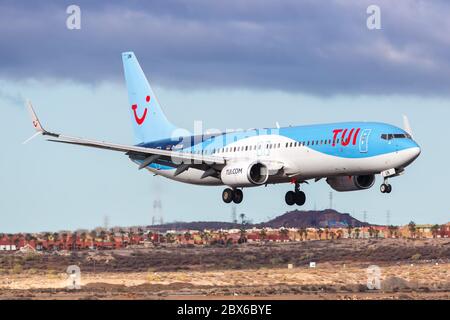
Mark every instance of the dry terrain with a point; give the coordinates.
(410, 269)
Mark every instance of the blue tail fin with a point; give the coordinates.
(149, 121)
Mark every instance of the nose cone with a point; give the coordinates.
(415, 149)
(411, 153)
(414, 152)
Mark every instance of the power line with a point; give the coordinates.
(331, 200)
(157, 212)
(105, 222)
(233, 214)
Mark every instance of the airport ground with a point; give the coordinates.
(409, 269)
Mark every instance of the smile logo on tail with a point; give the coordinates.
(140, 120)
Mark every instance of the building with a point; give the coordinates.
(444, 231)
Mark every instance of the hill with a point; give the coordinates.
(313, 219)
(291, 219)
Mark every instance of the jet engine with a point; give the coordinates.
(244, 174)
(351, 183)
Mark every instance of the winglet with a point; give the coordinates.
(36, 123)
(407, 126)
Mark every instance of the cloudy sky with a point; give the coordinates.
(230, 64)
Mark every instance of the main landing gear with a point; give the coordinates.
(235, 195)
(295, 197)
(385, 187)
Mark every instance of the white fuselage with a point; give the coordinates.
(299, 162)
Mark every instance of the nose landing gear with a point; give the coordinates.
(385, 187)
(295, 197)
(235, 195)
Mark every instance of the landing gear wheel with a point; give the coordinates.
(385, 188)
(389, 188)
(300, 198)
(238, 196)
(290, 198)
(227, 195)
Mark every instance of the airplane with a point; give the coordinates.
(348, 155)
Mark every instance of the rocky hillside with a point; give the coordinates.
(292, 219)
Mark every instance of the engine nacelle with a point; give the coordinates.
(241, 174)
(351, 183)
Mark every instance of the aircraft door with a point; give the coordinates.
(364, 141)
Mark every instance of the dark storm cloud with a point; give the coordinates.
(319, 47)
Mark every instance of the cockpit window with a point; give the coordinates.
(390, 136)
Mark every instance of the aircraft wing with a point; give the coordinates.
(148, 155)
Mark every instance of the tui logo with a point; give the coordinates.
(140, 120)
(345, 139)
